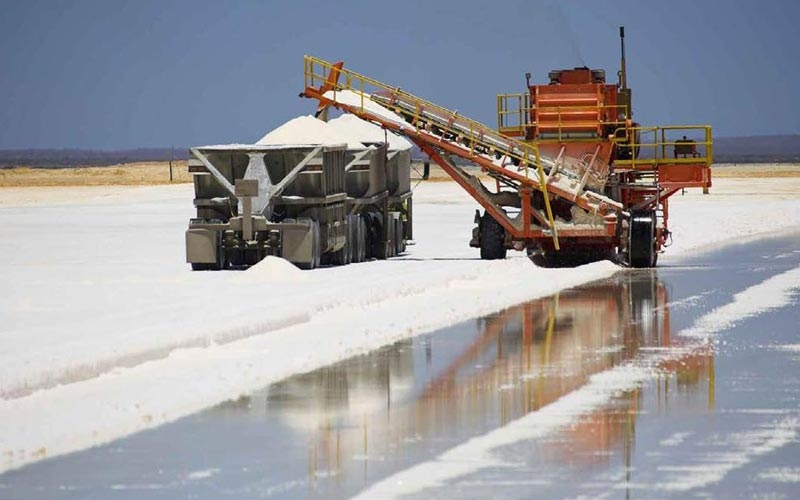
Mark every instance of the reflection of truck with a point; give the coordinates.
(315, 203)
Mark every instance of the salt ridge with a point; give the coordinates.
(357, 129)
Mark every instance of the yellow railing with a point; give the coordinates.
(474, 135)
(516, 119)
(519, 113)
(659, 145)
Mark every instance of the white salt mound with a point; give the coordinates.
(272, 269)
(305, 130)
(356, 129)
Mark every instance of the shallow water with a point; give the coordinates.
(706, 425)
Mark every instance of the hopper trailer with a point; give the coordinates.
(311, 204)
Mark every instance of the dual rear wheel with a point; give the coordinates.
(492, 238)
(642, 240)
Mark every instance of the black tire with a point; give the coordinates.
(390, 237)
(315, 245)
(358, 239)
(641, 240)
(351, 238)
(362, 239)
(392, 243)
(492, 238)
(348, 255)
(383, 237)
(373, 235)
(399, 242)
(354, 233)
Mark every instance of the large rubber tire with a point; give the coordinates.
(358, 239)
(641, 240)
(350, 239)
(383, 237)
(399, 242)
(362, 240)
(373, 230)
(388, 245)
(492, 239)
(316, 250)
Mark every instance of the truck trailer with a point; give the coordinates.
(312, 204)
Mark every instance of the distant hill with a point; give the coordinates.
(65, 158)
(753, 149)
(757, 149)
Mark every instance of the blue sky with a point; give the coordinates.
(118, 74)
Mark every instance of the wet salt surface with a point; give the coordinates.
(721, 422)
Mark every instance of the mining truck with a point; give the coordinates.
(311, 204)
(572, 177)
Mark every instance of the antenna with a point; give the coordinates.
(623, 77)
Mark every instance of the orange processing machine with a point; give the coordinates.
(567, 176)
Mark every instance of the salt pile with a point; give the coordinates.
(272, 269)
(346, 129)
(359, 130)
(305, 130)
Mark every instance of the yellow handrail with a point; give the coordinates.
(660, 143)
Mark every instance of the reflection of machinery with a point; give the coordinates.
(518, 361)
(576, 179)
(335, 393)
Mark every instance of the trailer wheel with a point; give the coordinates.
(399, 242)
(388, 246)
(641, 240)
(492, 238)
(350, 240)
(362, 239)
(383, 237)
(353, 232)
(358, 238)
(315, 251)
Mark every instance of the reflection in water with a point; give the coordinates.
(420, 396)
